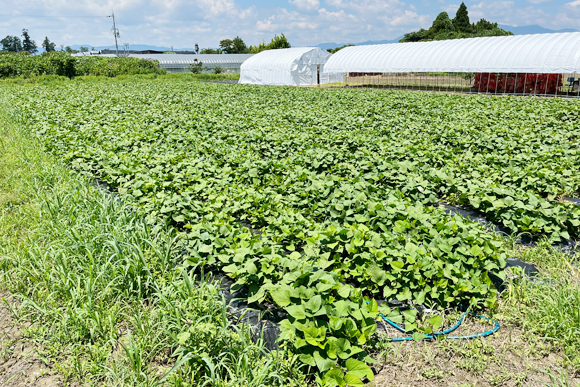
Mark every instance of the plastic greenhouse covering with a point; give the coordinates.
(540, 53)
(290, 66)
(181, 62)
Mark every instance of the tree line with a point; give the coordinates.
(238, 46)
(26, 45)
(445, 28)
(459, 27)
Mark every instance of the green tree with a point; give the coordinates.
(484, 25)
(68, 49)
(27, 43)
(442, 23)
(84, 49)
(196, 67)
(459, 27)
(259, 48)
(335, 50)
(461, 20)
(238, 46)
(210, 51)
(11, 44)
(227, 46)
(48, 45)
(279, 42)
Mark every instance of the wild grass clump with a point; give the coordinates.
(548, 307)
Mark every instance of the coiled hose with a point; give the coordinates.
(447, 331)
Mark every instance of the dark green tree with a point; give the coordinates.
(48, 45)
(84, 49)
(335, 50)
(484, 25)
(27, 43)
(415, 36)
(11, 44)
(238, 46)
(196, 67)
(279, 42)
(461, 20)
(68, 49)
(444, 28)
(442, 23)
(227, 46)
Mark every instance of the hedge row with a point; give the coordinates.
(61, 63)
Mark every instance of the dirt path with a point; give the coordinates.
(20, 364)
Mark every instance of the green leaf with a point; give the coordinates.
(418, 336)
(296, 311)
(378, 275)
(359, 369)
(281, 297)
(344, 291)
(334, 377)
(435, 321)
(352, 380)
(397, 265)
(341, 308)
(313, 305)
(322, 362)
(335, 323)
(315, 336)
(307, 359)
(206, 249)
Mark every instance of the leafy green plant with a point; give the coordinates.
(319, 210)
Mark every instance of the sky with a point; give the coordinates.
(182, 23)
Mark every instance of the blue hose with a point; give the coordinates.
(446, 332)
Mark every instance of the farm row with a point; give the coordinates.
(320, 200)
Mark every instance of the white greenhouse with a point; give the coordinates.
(179, 63)
(525, 64)
(291, 67)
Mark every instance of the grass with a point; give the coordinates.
(101, 291)
(56, 79)
(548, 308)
(103, 295)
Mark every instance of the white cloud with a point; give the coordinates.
(306, 5)
(182, 23)
(265, 25)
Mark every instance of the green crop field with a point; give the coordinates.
(322, 202)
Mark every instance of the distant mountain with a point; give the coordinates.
(326, 46)
(522, 30)
(137, 47)
(532, 29)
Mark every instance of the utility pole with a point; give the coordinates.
(116, 33)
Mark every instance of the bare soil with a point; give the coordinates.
(503, 359)
(20, 363)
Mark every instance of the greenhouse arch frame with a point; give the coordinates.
(541, 64)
